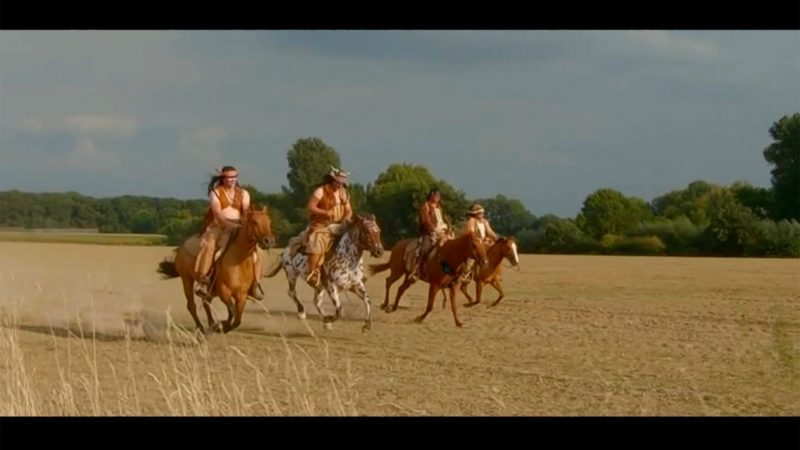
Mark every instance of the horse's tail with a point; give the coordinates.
(168, 269)
(274, 271)
(378, 268)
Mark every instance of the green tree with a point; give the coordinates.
(775, 239)
(564, 236)
(607, 211)
(784, 155)
(398, 192)
(358, 197)
(760, 200)
(507, 215)
(690, 202)
(309, 160)
(144, 221)
(731, 224)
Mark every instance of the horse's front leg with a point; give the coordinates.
(361, 292)
(433, 289)
(301, 311)
(453, 307)
(333, 293)
(188, 284)
(326, 320)
(499, 288)
(227, 298)
(241, 301)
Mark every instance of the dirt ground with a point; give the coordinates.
(575, 335)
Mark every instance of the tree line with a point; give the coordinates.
(701, 219)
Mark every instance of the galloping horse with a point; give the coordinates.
(234, 270)
(342, 271)
(440, 267)
(492, 272)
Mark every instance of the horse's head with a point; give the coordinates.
(477, 250)
(369, 234)
(259, 227)
(509, 249)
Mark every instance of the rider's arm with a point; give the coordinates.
(424, 218)
(348, 209)
(489, 231)
(469, 227)
(314, 201)
(245, 200)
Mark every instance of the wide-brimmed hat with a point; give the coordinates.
(339, 175)
(475, 209)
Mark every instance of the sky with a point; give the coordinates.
(546, 117)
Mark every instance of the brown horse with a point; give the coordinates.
(503, 248)
(440, 267)
(233, 271)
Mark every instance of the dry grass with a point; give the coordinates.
(190, 377)
(94, 330)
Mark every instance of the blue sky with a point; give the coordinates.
(543, 116)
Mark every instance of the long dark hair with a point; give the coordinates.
(216, 178)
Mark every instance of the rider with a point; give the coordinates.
(433, 228)
(328, 208)
(477, 225)
(227, 204)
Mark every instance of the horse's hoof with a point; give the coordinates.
(301, 316)
(492, 305)
(470, 304)
(328, 326)
(459, 324)
(419, 319)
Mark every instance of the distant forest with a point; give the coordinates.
(701, 219)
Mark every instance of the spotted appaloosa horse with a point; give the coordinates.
(342, 270)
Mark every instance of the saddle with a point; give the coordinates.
(412, 252)
(298, 244)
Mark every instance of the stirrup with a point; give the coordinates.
(315, 276)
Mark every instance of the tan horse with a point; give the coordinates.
(503, 248)
(233, 270)
(440, 268)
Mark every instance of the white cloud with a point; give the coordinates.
(202, 145)
(30, 124)
(669, 44)
(118, 126)
(86, 156)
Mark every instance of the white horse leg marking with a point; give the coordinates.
(361, 292)
(333, 293)
(318, 304)
(291, 276)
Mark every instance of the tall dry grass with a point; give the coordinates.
(192, 377)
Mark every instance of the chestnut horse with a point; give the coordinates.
(440, 269)
(233, 270)
(503, 248)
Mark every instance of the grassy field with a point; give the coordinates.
(83, 238)
(91, 329)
